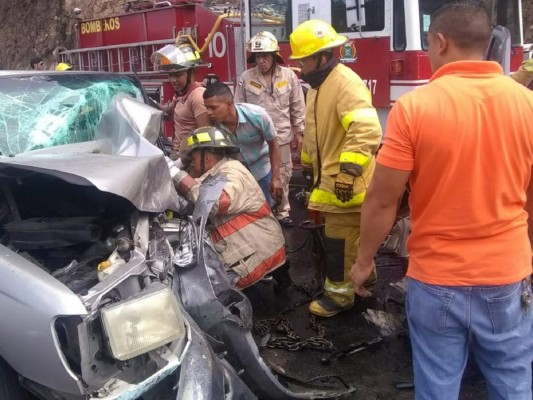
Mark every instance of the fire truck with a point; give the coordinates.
(387, 46)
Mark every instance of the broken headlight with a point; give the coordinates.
(143, 324)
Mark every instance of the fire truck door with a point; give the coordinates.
(499, 48)
(303, 10)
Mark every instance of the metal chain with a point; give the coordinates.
(283, 335)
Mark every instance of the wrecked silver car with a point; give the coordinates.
(86, 298)
(111, 288)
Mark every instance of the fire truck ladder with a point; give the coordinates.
(123, 58)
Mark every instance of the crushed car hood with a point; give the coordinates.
(120, 160)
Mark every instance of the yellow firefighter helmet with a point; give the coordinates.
(63, 67)
(312, 37)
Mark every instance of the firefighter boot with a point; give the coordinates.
(341, 238)
(282, 277)
(330, 304)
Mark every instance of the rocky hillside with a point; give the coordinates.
(31, 27)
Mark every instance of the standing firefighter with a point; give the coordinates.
(278, 90)
(342, 134)
(524, 75)
(187, 107)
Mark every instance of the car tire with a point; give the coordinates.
(10, 388)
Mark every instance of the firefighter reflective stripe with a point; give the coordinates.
(320, 196)
(359, 114)
(354, 158)
(344, 288)
(306, 158)
(238, 222)
(204, 137)
(184, 182)
(270, 263)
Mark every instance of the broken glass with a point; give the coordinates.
(43, 111)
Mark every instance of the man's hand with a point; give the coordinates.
(344, 186)
(359, 274)
(276, 189)
(297, 142)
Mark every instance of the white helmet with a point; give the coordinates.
(264, 42)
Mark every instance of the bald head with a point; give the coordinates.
(466, 23)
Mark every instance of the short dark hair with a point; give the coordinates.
(466, 22)
(218, 89)
(35, 60)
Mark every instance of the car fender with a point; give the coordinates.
(30, 301)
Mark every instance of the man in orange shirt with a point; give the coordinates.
(464, 144)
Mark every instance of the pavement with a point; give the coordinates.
(378, 372)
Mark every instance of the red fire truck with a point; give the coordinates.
(388, 38)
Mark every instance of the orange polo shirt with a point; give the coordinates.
(467, 137)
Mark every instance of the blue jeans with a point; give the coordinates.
(446, 322)
(264, 184)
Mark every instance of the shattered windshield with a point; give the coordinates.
(50, 110)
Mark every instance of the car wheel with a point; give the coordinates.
(10, 388)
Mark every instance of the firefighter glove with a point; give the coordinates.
(308, 176)
(344, 186)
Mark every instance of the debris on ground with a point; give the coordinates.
(388, 324)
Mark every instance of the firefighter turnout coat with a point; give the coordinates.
(283, 99)
(245, 233)
(341, 126)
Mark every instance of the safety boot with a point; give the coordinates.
(282, 277)
(330, 304)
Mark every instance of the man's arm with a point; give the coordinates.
(529, 208)
(240, 95)
(297, 112)
(275, 183)
(198, 108)
(268, 131)
(377, 217)
(202, 120)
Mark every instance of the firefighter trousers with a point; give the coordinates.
(342, 243)
(283, 208)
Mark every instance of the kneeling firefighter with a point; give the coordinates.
(342, 135)
(245, 233)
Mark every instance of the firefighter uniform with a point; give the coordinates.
(282, 97)
(244, 232)
(342, 135)
(524, 75)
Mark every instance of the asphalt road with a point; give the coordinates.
(375, 372)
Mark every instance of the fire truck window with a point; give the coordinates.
(506, 13)
(426, 9)
(399, 39)
(358, 15)
(272, 16)
(503, 12)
